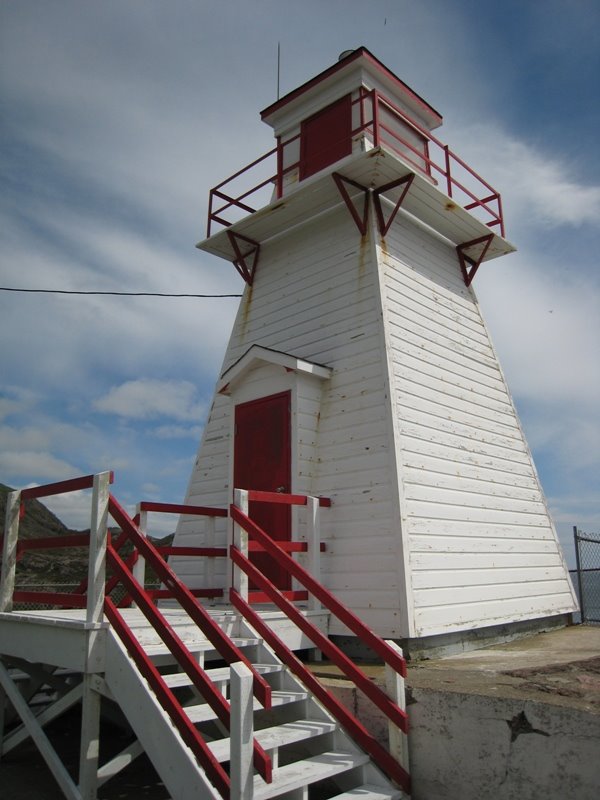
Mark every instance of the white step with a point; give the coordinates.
(309, 770)
(278, 736)
(369, 792)
(203, 712)
(160, 653)
(178, 679)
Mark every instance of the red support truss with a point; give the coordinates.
(406, 181)
(468, 264)
(246, 262)
(361, 222)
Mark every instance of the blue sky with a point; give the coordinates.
(117, 118)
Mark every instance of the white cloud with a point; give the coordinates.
(147, 398)
(38, 464)
(178, 432)
(545, 324)
(7, 407)
(537, 187)
(74, 509)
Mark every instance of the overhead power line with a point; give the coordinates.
(115, 294)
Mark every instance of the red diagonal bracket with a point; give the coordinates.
(245, 263)
(474, 263)
(340, 181)
(406, 181)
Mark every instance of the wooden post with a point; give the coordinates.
(3, 704)
(97, 554)
(241, 733)
(90, 740)
(9, 550)
(394, 684)
(240, 540)
(313, 542)
(139, 568)
(90, 701)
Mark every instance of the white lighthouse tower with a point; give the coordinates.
(359, 368)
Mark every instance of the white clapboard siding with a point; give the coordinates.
(476, 524)
(316, 297)
(438, 520)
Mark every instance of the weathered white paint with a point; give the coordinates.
(242, 732)
(9, 550)
(97, 554)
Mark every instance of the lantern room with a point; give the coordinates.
(360, 125)
(346, 109)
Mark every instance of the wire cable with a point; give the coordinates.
(114, 294)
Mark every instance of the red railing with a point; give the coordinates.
(97, 599)
(387, 654)
(382, 123)
(144, 600)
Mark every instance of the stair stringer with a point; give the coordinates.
(170, 756)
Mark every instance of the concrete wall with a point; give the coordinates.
(475, 747)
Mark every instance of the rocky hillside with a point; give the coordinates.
(51, 567)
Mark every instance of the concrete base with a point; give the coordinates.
(450, 644)
(520, 720)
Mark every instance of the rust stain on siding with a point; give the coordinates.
(247, 302)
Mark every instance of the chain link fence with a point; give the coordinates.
(117, 594)
(587, 575)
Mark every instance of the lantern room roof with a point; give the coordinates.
(360, 63)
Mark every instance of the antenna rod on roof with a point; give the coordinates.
(278, 66)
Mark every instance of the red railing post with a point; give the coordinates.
(375, 101)
(279, 178)
(447, 165)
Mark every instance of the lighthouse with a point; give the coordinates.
(360, 369)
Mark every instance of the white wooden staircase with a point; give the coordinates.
(305, 743)
(215, 698)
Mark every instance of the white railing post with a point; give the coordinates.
(139, 568)
(9, 550)
(240, 540)
(313, 546)
(241, 733)
(209, 562)
(97, 555)
(394, 684)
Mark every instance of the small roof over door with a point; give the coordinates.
(256, 355)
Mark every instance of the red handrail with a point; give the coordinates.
(348, 721)
(349, 619)
(175, 645)
(70, 485)
(392, 711)
(180, 592)
(182, 508)
(339, 658)
(168, 701)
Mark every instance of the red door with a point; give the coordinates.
(261, 460)
(326, 137)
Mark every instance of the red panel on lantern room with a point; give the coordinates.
(326, 137)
